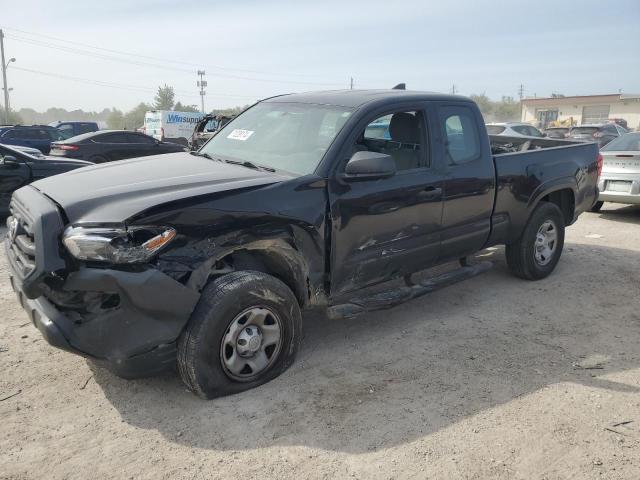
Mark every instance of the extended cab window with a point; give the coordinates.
(399, 134)
(460, 134)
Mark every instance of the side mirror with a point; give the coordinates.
(10, 161)
(369, 166)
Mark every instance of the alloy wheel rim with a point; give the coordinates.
(546, 243)
(251, 343)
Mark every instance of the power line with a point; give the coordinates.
(163, 66)
(122, 86)
(164, 60)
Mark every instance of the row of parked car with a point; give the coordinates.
(600, 133)
(31, 152)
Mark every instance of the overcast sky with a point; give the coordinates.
(252, 49)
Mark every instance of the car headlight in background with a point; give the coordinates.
(114, 245)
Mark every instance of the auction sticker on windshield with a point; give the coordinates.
(239, 134)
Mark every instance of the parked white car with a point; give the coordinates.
(170, 126)
(513, 129)
(620, 178)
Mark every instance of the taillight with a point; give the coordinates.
(66, 147)
(600, 160)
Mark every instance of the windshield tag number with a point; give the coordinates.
(239, 134)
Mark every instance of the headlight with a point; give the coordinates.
(131, 245)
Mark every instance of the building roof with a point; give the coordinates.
(605, 97)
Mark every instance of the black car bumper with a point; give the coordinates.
(136, 338)
(126, 321)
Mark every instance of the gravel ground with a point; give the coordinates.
(492, 378)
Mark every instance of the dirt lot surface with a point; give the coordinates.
(492, 378)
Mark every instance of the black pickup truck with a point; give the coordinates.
(206, 259)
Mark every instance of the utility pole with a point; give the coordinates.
(202, 83)
(351, 84)
(4, 78)
(454, 90)
(521, 95)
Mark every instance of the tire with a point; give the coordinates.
(527, 258)
(210, 347)
(98, 159)
(597, 206)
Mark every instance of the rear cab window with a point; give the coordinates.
(460, 133)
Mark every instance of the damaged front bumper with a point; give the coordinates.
(133, 334)
(126, 320)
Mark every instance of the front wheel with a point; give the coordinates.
(537, 251)
(244, 331)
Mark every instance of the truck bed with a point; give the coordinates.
(501, 144)
(528, 168)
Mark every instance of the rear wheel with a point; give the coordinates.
(537, 251)
(597, 206)
(244, 332)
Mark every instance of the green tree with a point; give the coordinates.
(484, 103)
(507, 110)
(14, 117)
(135, 118)
(115, 120)
(165, 98)
(179, 107)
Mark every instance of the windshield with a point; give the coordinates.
(629, 142)
(286, 136)
(495, 129)
(583, 131)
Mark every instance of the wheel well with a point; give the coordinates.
(565, 201)
(272, 263)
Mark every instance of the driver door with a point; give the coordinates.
(387, 227)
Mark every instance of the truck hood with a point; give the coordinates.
(113, 192)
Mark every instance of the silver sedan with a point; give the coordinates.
(620, 179)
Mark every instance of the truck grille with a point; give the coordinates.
(21, 239)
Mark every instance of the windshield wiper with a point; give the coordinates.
(248, 164)
(202, 154)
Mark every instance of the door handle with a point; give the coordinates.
(430, 192)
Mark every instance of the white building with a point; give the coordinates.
(583, 109)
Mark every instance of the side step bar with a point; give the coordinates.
(391, 298)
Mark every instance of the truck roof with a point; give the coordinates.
(357, 98)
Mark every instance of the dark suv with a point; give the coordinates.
(599, 133)
(34, 136)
